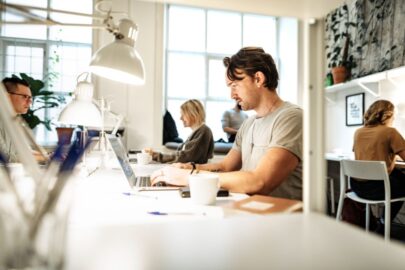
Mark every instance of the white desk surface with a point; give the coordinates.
(295, 241)
(338, 157)
(109, 230)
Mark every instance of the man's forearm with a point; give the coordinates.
(241, 182)
(212, 167)
(230, 130)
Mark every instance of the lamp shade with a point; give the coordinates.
(82, 111)
(119, 61)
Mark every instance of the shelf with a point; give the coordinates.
(370, 87)
(368, 83)
(340, 86)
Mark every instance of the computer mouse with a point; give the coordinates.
(161, 184)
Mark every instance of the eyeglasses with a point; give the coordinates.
(26, 97)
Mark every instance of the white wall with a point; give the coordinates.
(338, 135)
(141, 105)
(288, 53)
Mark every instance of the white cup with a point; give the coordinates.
(143, 158)
(203, 188)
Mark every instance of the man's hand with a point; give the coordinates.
(171, 175)
(39, 157)
(182, 165)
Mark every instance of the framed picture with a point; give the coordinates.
(354, 109)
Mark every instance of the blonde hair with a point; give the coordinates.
(194, 110)
(379, 113)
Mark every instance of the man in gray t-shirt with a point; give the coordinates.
(280, 129)
(266, 157)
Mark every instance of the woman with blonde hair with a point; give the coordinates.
(199, 146)
(378, 140)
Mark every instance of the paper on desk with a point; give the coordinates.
(261, 206)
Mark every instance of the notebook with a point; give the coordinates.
(260, 204)
(140, 178)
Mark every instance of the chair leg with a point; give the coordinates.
(387, 222)
(367, 217)
(340, 206)
(332, 195)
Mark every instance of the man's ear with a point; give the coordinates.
(259, 78)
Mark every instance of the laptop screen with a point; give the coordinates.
(121, 154)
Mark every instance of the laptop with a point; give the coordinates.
(141, 180)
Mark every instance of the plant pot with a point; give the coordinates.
(64, 135)
(339, 74)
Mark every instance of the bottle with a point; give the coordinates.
(329, 79)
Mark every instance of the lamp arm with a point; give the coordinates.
(120, 118)
(26, 11)
(107, 19)
(103, 107)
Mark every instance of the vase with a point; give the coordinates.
(339, 74)
(26, 244)
(64, 134)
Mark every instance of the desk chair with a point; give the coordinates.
(332, 194)
(370, 170)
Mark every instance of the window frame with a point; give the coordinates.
(207, 56)
(46, 45)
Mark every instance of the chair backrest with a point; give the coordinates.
(367, 170)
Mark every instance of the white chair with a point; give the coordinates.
(369, 170)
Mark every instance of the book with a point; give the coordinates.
(260, 204)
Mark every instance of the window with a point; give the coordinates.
(197, 41)
(56, 55)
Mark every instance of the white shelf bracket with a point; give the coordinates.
(368, 89)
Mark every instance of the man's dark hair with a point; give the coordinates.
(11, 83)
(250, 60)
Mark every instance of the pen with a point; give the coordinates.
(139, 195)
(158, 213)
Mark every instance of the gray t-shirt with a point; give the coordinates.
(7, 148)
(233, 119)
(279, 129)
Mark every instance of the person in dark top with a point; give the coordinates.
(199, 146)
(170, 133)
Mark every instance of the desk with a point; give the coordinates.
(99, 200)
(295, 241)
(111, 231)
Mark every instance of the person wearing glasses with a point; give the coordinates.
(20, 97)
(266, 157)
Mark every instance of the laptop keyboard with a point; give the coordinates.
(144, 181)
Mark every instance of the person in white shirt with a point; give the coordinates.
(231, 120)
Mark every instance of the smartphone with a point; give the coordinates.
(185, 192)
(134, 151)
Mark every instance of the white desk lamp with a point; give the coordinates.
(81, 111)
(118, 61)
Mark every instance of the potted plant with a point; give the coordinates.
(338, 42)
(41, 99)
